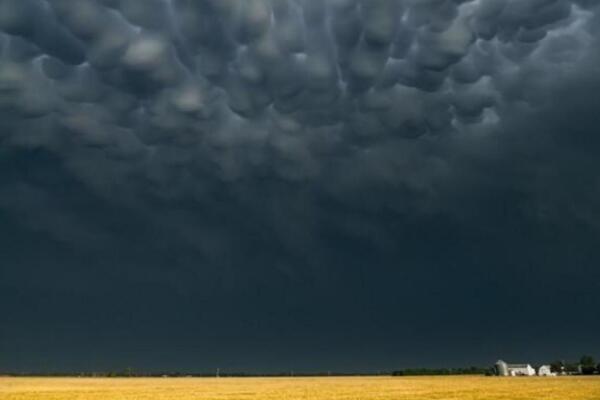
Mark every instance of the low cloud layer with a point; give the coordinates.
(172, 90)
(222, 145)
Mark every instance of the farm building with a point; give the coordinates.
(504, 369)
(545, 370)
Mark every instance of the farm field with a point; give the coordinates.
(346, 388)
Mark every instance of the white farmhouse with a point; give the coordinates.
(545, 370)
(504, 369)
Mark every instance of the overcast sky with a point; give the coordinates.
(269, 185)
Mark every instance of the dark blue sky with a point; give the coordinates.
(308, 185)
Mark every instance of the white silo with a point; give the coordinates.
(501, 368)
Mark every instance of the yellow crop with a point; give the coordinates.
(352, 388)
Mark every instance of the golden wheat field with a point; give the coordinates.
(347, 388)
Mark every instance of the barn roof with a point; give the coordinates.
(518, 365)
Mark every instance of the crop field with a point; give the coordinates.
(350, 388)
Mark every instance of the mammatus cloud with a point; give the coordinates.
(219, 104)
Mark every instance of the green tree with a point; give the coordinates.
(588, 365)
(587, 361)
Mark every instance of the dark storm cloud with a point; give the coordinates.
(173, 93)
(276, 148)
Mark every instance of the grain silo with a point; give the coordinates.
(501, 368)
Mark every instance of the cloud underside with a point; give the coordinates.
(285, 128)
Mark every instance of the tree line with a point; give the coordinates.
(442, 371)
(586, 366)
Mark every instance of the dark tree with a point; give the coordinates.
(587, 361)
(588, 365)
(557, 366)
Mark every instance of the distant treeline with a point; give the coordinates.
(442, 371)
(134, 374)
(585, 366)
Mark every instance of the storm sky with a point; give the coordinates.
(308, 185)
